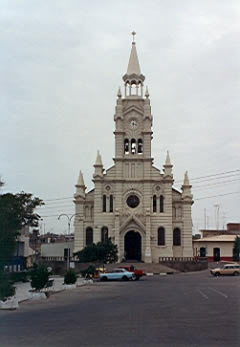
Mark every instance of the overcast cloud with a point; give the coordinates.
(61, 63)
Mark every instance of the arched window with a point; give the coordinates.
(111, 204)
(161, 236)
(126, 146)
(134, 88)
(104, 203)
(104, 234)
(154, 203)
(176, 237)
(140, 146)
(161, 203)
(89, 236)
(133, 146)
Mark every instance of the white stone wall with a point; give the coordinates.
(135, 173)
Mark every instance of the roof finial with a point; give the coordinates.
(119, 94)
(133, 34)
(147, 93)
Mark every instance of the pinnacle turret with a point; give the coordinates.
(80, 182)
(168, 161)
(80, 187)
(167, 166)
(186, 188)
(147, 93)
(186, 179)
(98, 159)
(119, 94)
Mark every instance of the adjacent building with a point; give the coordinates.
(133, 202)
(217, 245)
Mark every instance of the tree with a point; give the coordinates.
(1, 182)
(70, 277)
(196, 237)
(236, 249)
(102, 252)
(16, 211)
(6, 287)
(39, 276)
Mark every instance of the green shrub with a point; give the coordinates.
(39, 276)
(70, 277)
(6, 287)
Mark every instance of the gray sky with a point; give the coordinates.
(61, 63)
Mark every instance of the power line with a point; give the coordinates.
(214, 196)
(69, 197)
(214, 184)
(51, 207)
(202, 198)
(212, 175)
(56, 200)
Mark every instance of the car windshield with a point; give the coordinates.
(117, 270)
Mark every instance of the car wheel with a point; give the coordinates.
(134, 277)
(235, 273)
(217, 274)
(104, 278)
(125, 278)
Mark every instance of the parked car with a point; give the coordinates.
(117, 274)
(137, 272)
(228, 269)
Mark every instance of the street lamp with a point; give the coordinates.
(69, 218)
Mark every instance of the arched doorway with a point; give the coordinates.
(132, 246)
(216, 254)
(203, 252)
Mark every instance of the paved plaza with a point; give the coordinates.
(192, 309)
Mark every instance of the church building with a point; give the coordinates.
(133, 202)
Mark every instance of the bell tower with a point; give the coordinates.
(133, 123)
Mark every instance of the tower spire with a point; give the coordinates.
(133, 64)
(133, 79)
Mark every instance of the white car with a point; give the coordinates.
(117, 274)
(228, 269)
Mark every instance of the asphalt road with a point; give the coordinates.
(175, 310)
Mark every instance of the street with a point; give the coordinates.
(191, 309)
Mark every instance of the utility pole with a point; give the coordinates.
(205, 219)
(69, 218)
(217, 207)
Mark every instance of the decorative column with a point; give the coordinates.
(187, 217)
(98, 182)
(79, 201)
(117, 227)
(148, 253)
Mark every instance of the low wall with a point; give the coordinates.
(185, 264)
(60, 267)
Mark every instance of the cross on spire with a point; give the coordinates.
(133, 34)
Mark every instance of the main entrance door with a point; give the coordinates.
(132, 246)
(216, 254)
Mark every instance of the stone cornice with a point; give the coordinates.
(147, 132)
(121, 132)
(132, 158)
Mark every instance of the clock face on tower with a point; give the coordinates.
(133, 124)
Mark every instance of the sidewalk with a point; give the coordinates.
(23, 289)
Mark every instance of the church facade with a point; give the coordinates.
(133, 202)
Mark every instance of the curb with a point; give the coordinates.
(159, 273)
